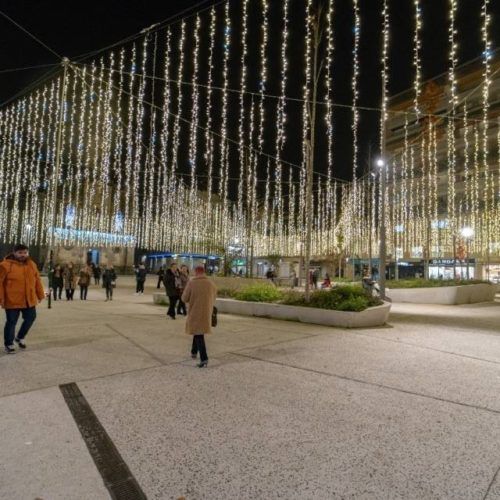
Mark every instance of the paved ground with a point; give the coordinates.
(285, 410)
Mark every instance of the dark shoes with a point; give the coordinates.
(9, 349)
(20, 342)
(203, 364)
(171, 316)
(194, 356)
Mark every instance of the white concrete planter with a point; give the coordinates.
(374, 316)
(447, 295)
(160, 299)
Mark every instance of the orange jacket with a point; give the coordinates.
(20, 284)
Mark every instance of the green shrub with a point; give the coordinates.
(259, 293)
(341, 298)
(355, 304)
(226, 293)
(292, 298)
(432, 283)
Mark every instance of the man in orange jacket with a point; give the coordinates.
(21, 290)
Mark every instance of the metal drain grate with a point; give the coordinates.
(117, 477)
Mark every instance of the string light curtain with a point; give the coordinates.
(194, 137)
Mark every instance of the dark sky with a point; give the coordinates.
(73, 28)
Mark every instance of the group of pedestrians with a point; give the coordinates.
(176, 280)
(68, 278)
(21, 290)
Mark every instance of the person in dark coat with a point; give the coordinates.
(315, 277)
(161, 276)
(58, 282)
(97, 271)
(172, 287)
(109, 281)
(140, 278)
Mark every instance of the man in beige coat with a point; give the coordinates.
(199, 294)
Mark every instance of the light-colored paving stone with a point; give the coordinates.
(42, 454)
(285, 410)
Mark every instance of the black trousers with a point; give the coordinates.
(160, 280)
(109, 292)
(139, 287)
(181, 307)
(57, 291)
(69, 293)
(199, 347)
(173, 299)
(83, 292)
(97, 280)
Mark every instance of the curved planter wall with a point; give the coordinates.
(374, 316)
(447, 295)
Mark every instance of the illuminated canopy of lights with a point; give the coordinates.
(180, 140)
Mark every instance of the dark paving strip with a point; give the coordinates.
(117, 477)
(488, 491)
(367, 382)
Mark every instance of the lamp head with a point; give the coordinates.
(467, 232)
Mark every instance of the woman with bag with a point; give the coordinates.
(200, 295)
(109, 281)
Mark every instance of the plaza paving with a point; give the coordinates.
(285, 410)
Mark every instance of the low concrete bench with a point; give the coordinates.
(445, 295)
(160, 299)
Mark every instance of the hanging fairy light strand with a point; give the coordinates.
(355, 207)
(329, 209)
(453, 101)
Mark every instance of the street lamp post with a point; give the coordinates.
(383, 247)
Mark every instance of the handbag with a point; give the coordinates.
(113, 284)
(214, 316)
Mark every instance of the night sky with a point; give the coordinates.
(75, 28)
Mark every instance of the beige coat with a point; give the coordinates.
(200, 294)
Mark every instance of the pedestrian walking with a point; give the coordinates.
(97, 274)
(200, 295)
(172, 287)
(84, 282)
(70, 279)
(58, 282)
(140, 278)
(315, 277)
(109, 281)
(21, 290)
(183, 281)
(161, 276)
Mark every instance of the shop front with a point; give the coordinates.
(450, 269)
(155, 261)
(491, 272)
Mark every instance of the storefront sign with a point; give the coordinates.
(449, 262)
